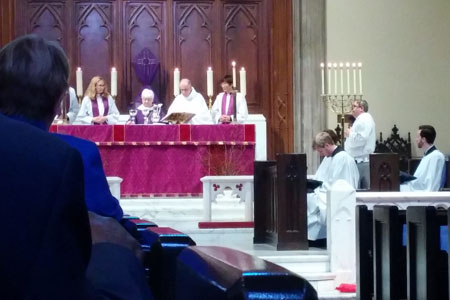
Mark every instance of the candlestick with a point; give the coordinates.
(234, 73)
(347, 65)
(354, 78)
(341, 66)
(209, 82)
(329, 79)
(335, 78)
(322, 71)
(79, 77)
(243, 81)
(176, 82)
(113, 82)
(360, 78)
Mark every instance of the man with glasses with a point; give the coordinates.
(360, 140)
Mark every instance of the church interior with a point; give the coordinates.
(380, 242)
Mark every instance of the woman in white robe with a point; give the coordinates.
(223, 110)
(97, 107)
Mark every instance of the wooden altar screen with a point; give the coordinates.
(191, 35)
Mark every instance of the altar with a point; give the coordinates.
(169, 160)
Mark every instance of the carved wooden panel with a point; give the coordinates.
(145, 29)
(46, 20)
(193, 45)
(243, 40)
(95, 40)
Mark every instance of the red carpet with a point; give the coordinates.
(215, 225)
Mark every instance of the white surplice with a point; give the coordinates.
(338, 166)
(428, 174)
(361, 141)
(241, 104)
(195, 104)
(85, 115)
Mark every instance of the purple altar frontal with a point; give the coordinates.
(169, 160)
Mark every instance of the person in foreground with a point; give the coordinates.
(337, 164)
(55, 249)
(229, 105)
(189, 101)
(430, 172)
(97, 107)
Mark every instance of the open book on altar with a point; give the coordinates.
(178, 118)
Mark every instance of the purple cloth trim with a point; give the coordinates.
(95, 112)
(230, 106)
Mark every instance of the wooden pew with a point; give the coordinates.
(427, 266)
(420, 273)
(162, 246)
(389, 256)
(364, 253)
(221, 273)
(280, 202)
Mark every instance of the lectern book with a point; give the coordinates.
(178, 118)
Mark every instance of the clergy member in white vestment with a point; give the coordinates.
(429, 174)
(72, 106)
(337, 164)
(360, 141)
(189, 101)
(97, 107)
(223, 109)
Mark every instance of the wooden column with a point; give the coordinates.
(280, 134)
(6, 21)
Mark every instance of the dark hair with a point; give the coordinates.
(428, 132)
(227, 79)
(333, 135)
(34, 75)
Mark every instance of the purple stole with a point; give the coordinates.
(95, 112)
(230, 111)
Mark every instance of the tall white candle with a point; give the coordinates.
(335, 78)
(341, 66)
(113, 82)
(243, 81)
(354, 78)
(322, 71)
(79, 77)
(209, 82)
(176, 82)
(234, 73)
(329, 79)
(347, 66)
(360, 78)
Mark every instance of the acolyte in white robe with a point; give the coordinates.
(361, 141)
(241, 112)
(428, 174)
(85, 115)
(338, 166)
(195, 104)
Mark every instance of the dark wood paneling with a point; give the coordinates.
(6, 21)
(192, 41)
(191, 35)
(95, 39)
